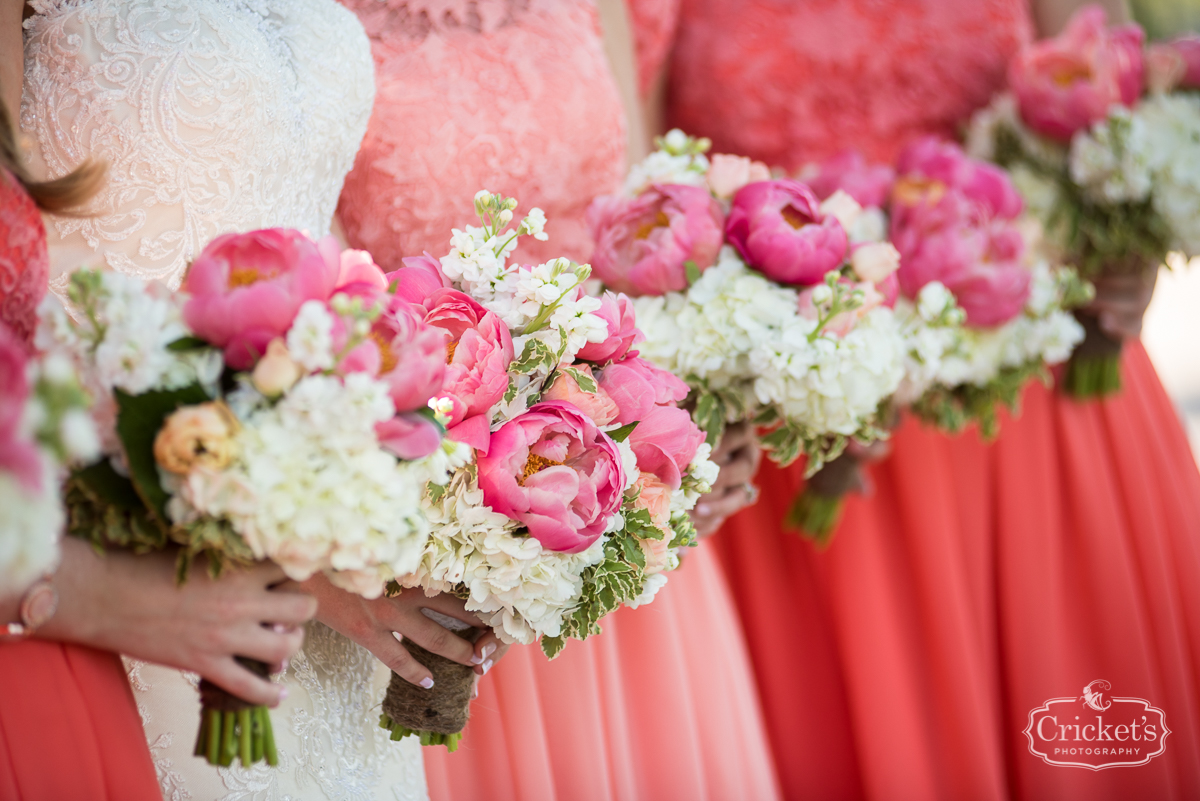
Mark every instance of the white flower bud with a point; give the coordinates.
(821, 294)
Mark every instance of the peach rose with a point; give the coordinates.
(196, 436)
(275, 372)
(655, 497)
(727, 174)
(596, 405)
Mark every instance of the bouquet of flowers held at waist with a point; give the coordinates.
(576, 469)
(277, 408)
(1100, 135)
(44, 425)
(966, 250)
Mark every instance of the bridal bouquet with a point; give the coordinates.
(1106, 152)
(276, 408)
(576, 469)
(751, 291)
(44, 425)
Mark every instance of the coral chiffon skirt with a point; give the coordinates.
(976, 583)
(69, 728)
(660, 706)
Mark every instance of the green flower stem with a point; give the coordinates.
(1090, 377)
(269, 752)
(244, 734)
(213, 722)
(399, 732)
(816, 515)
(228, 741)
(246, 749)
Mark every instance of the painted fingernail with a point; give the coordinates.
(488, 650)
(399, 637)
(474, 692)
(487, 666)
(427, 682)
(283, 666)
(283, 693)
(279, 628)
(703, 509)
(477, 659)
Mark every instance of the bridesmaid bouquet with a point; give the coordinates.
(750, 290)
(44, 424)
(571, 492)
(276, 408)
(983, 312)
(1100, 136)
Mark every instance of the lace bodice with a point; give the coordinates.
(653, 23)
(514, 96)
(24, 265)
(214, 116)
(788, 81)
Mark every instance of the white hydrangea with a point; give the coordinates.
(32, 523)
(1112, 160)
(1172, 125)
(516, 586)
(310, 339)
(312, 490)
(738, 331)
(933, 330)
(1004, 115)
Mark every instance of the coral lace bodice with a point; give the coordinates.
(653, 23)
(789, 81)
(506, 95)
(24, 265)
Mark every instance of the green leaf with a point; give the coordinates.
(585, 381)
(552, 646)
(536, 355)
(139, 419)
(109, 486)
(710, 416)
(187, 343)
(692, 271)
(621, 434)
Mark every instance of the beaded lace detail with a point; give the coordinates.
(514, 96)
(788, 81)
(24, 265)
(214, 116)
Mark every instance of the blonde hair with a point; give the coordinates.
(59, 196)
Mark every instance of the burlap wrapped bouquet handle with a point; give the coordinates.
(437, 715)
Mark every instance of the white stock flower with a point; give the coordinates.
(310, 339)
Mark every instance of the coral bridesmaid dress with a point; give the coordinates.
(976, 582)
(68, 725)
(518, 98)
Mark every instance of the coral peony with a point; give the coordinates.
(869, 184)
(247, 288)
(554, 471)
(1067, 83)
(623, 334)
(596, 405)
(643, 244)
(665, 442)
(779, 229)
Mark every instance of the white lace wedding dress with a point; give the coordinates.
(217, 116)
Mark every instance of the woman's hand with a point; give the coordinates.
(381, 625)
(738, 455)
(1121, 302)
(132, 605)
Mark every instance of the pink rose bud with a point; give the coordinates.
(869, 184)
(1069, 82)
(727, 174)
(778, 228)
(875, 261)
(554, 471)
(623, 334)
(275, 372)
(247, 288)
(643, 245)
(596, 405)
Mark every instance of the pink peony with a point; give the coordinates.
(623, 333)
(357, 268)
(18, 455)
(554, 471)
(247, 288)
(409, 436)
(637, 386)
(869, 184)
(930, 166)
(479, 351)
(1067, 83)
(779, 229)
(596, 405)
(979, 260)
(419, 278)
(665, 442)
(643, 244)
(727, 174)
